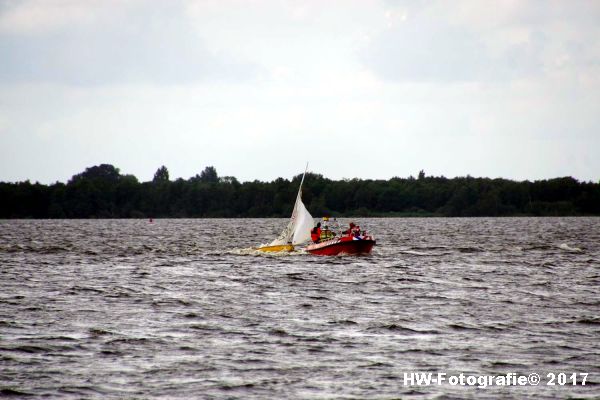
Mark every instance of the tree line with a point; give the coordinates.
(103, 192)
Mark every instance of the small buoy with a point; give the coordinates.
(151, 220)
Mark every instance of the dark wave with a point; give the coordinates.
(470, 249)
(343, 322)
(17, 393)
(463, 327)
(588, 321)
(401, 329)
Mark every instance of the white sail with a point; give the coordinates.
(304, 224)
(298, 229)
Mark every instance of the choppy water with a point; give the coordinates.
(176, 309)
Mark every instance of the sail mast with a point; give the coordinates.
(302, 181)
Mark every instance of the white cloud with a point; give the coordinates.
(428, 49)
(467, 41)
(39, 16)
(106, 42)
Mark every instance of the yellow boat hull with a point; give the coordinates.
(276, 249)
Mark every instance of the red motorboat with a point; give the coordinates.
(342, 245)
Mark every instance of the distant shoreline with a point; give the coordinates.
(103, 192)
(284, 218)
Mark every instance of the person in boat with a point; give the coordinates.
(326, 233)
(315, 233)
(353, 230)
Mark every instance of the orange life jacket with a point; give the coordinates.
(315, 234)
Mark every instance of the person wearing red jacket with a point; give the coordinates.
(354, 230)
(315, 233)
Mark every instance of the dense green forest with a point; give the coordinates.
(103, 192)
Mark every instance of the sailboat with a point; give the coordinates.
(297, 230)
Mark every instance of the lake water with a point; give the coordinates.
(183, 309)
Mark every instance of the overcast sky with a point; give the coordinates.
(368, 89)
